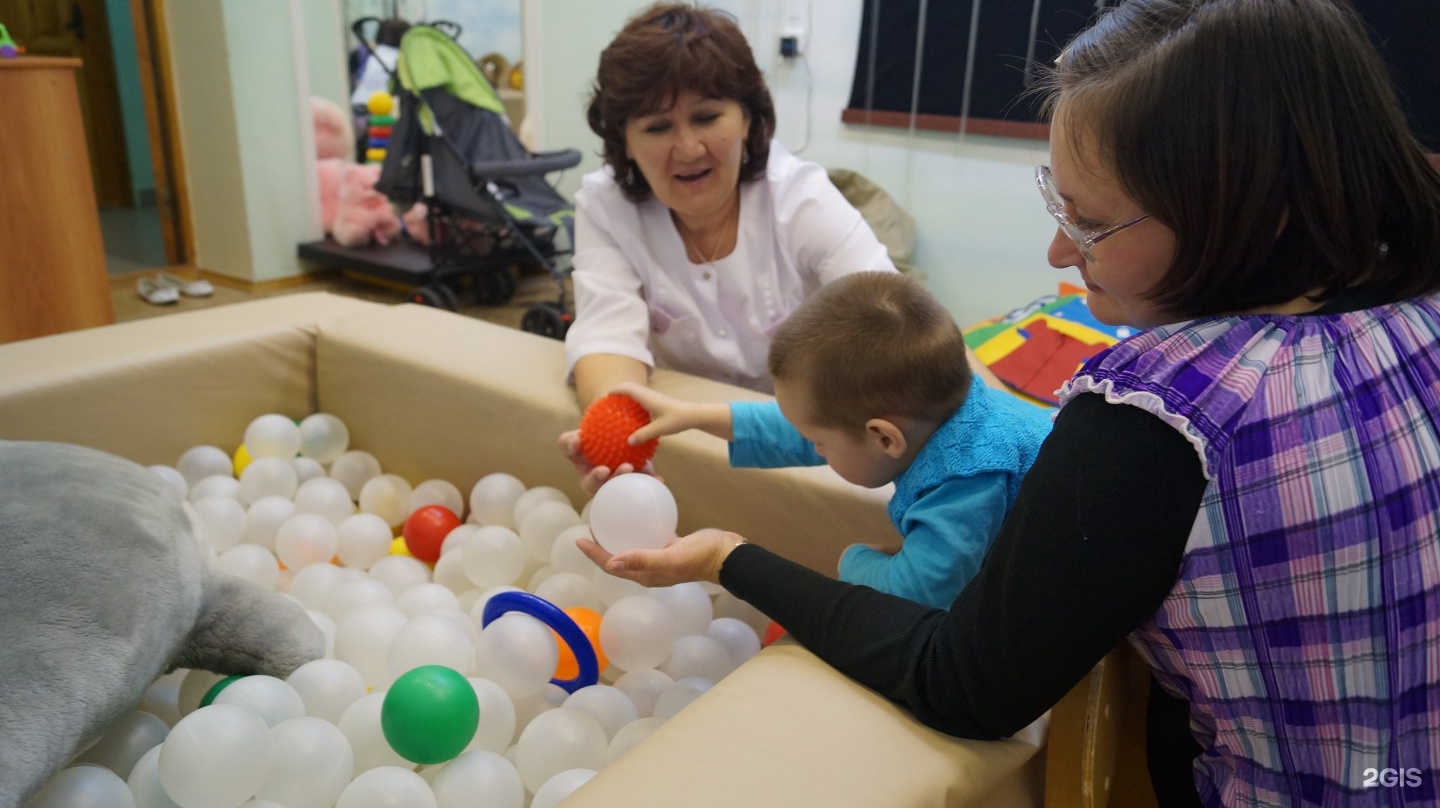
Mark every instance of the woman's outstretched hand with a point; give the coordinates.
(696, 557)
(592, 477)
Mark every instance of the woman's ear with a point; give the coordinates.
(887, 436)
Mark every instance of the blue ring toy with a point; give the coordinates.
(549, 614)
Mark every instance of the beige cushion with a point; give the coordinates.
(150, 389)
(435, 394)
(785, 729)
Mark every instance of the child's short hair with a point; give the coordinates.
(873, 345)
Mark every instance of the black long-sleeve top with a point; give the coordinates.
(1089, 551)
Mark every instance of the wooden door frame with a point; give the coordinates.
(162, 119)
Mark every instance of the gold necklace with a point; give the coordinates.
(692, 245)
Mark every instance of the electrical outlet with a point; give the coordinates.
(790, 40)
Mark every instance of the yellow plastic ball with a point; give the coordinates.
(242, 459)
(375, 155)
(398, 547)
(380, 103)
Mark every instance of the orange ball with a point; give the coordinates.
(772, 633)
(607, 422)
(589, 622)
(426, 530)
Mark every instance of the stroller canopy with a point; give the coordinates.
(430, 59)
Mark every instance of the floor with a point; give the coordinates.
(532, 286)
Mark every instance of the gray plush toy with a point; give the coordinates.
(104, 586)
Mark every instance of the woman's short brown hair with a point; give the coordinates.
(666, 50)
(873, 345)
(1267, 136)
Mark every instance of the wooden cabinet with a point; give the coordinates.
(52, 254)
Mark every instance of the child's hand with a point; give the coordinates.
(592, 477)
(669, 416)
(696, 557)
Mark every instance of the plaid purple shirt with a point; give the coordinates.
(1304, 628)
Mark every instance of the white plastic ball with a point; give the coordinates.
(272, 435)
(193, 689)
(399, 573)
(539, 526)
(567, 589)
(222, 522)
(268, 477)
(493, 498)
(637, 632)
(538, 576)
(361, 724)
(629, 735)
(199, 462)
(274, 700)
(356, 593)
(607, 704)
(431, 639)
(363, 539)
(306, 469)
(727, 605)
(325, 496)
(219, 485)
(557, 740)
(388, 497)
(497, 717)
(313, 764)
(612, 589)
(633, 512)
(492, 556)
(385, 787)
(437, 492)
(323, 437)
(679, 696)
(424, 597)
(305, 539)
(353, 469)
(176, 480)
(527, 708)
(535, 497)
(122, 745)
(457, 537)
(516, 652)
(162, 700)
(477, 607)
(478, 777)
(313, 584)
(362, 641)
(739, 639)
(698, 656)
(327, 687)
(692, 608)
(450, 573)
(84, 787)
(644, 686)
(251, 562)
(264, 517)
(144, 782)
(565, 556)
(218, 754)
(562, 785)
(327, 627)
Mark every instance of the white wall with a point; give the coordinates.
(981, 230)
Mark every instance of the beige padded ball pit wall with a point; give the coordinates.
(434, 394)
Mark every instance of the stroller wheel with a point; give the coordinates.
(494, 288)
(547, 320)
(437, 295)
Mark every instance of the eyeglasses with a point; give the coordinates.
(1056, 205)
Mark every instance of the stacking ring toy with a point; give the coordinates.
(560, 622)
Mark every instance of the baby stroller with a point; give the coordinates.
(488, 204)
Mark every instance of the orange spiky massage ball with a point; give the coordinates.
(607, 422)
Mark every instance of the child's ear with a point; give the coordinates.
(889, 437)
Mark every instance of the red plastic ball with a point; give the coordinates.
(772, 633)
(607, 422)
(426, 530)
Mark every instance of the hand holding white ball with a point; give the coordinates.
(633, 512)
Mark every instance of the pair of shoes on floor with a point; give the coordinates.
(166, 288)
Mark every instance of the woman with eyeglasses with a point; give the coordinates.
(1248, 490)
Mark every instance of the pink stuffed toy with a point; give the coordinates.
(334, 134)
(363, 214)
(416, 225)
(330, 171)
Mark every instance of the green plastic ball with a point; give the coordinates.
(429, 714)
